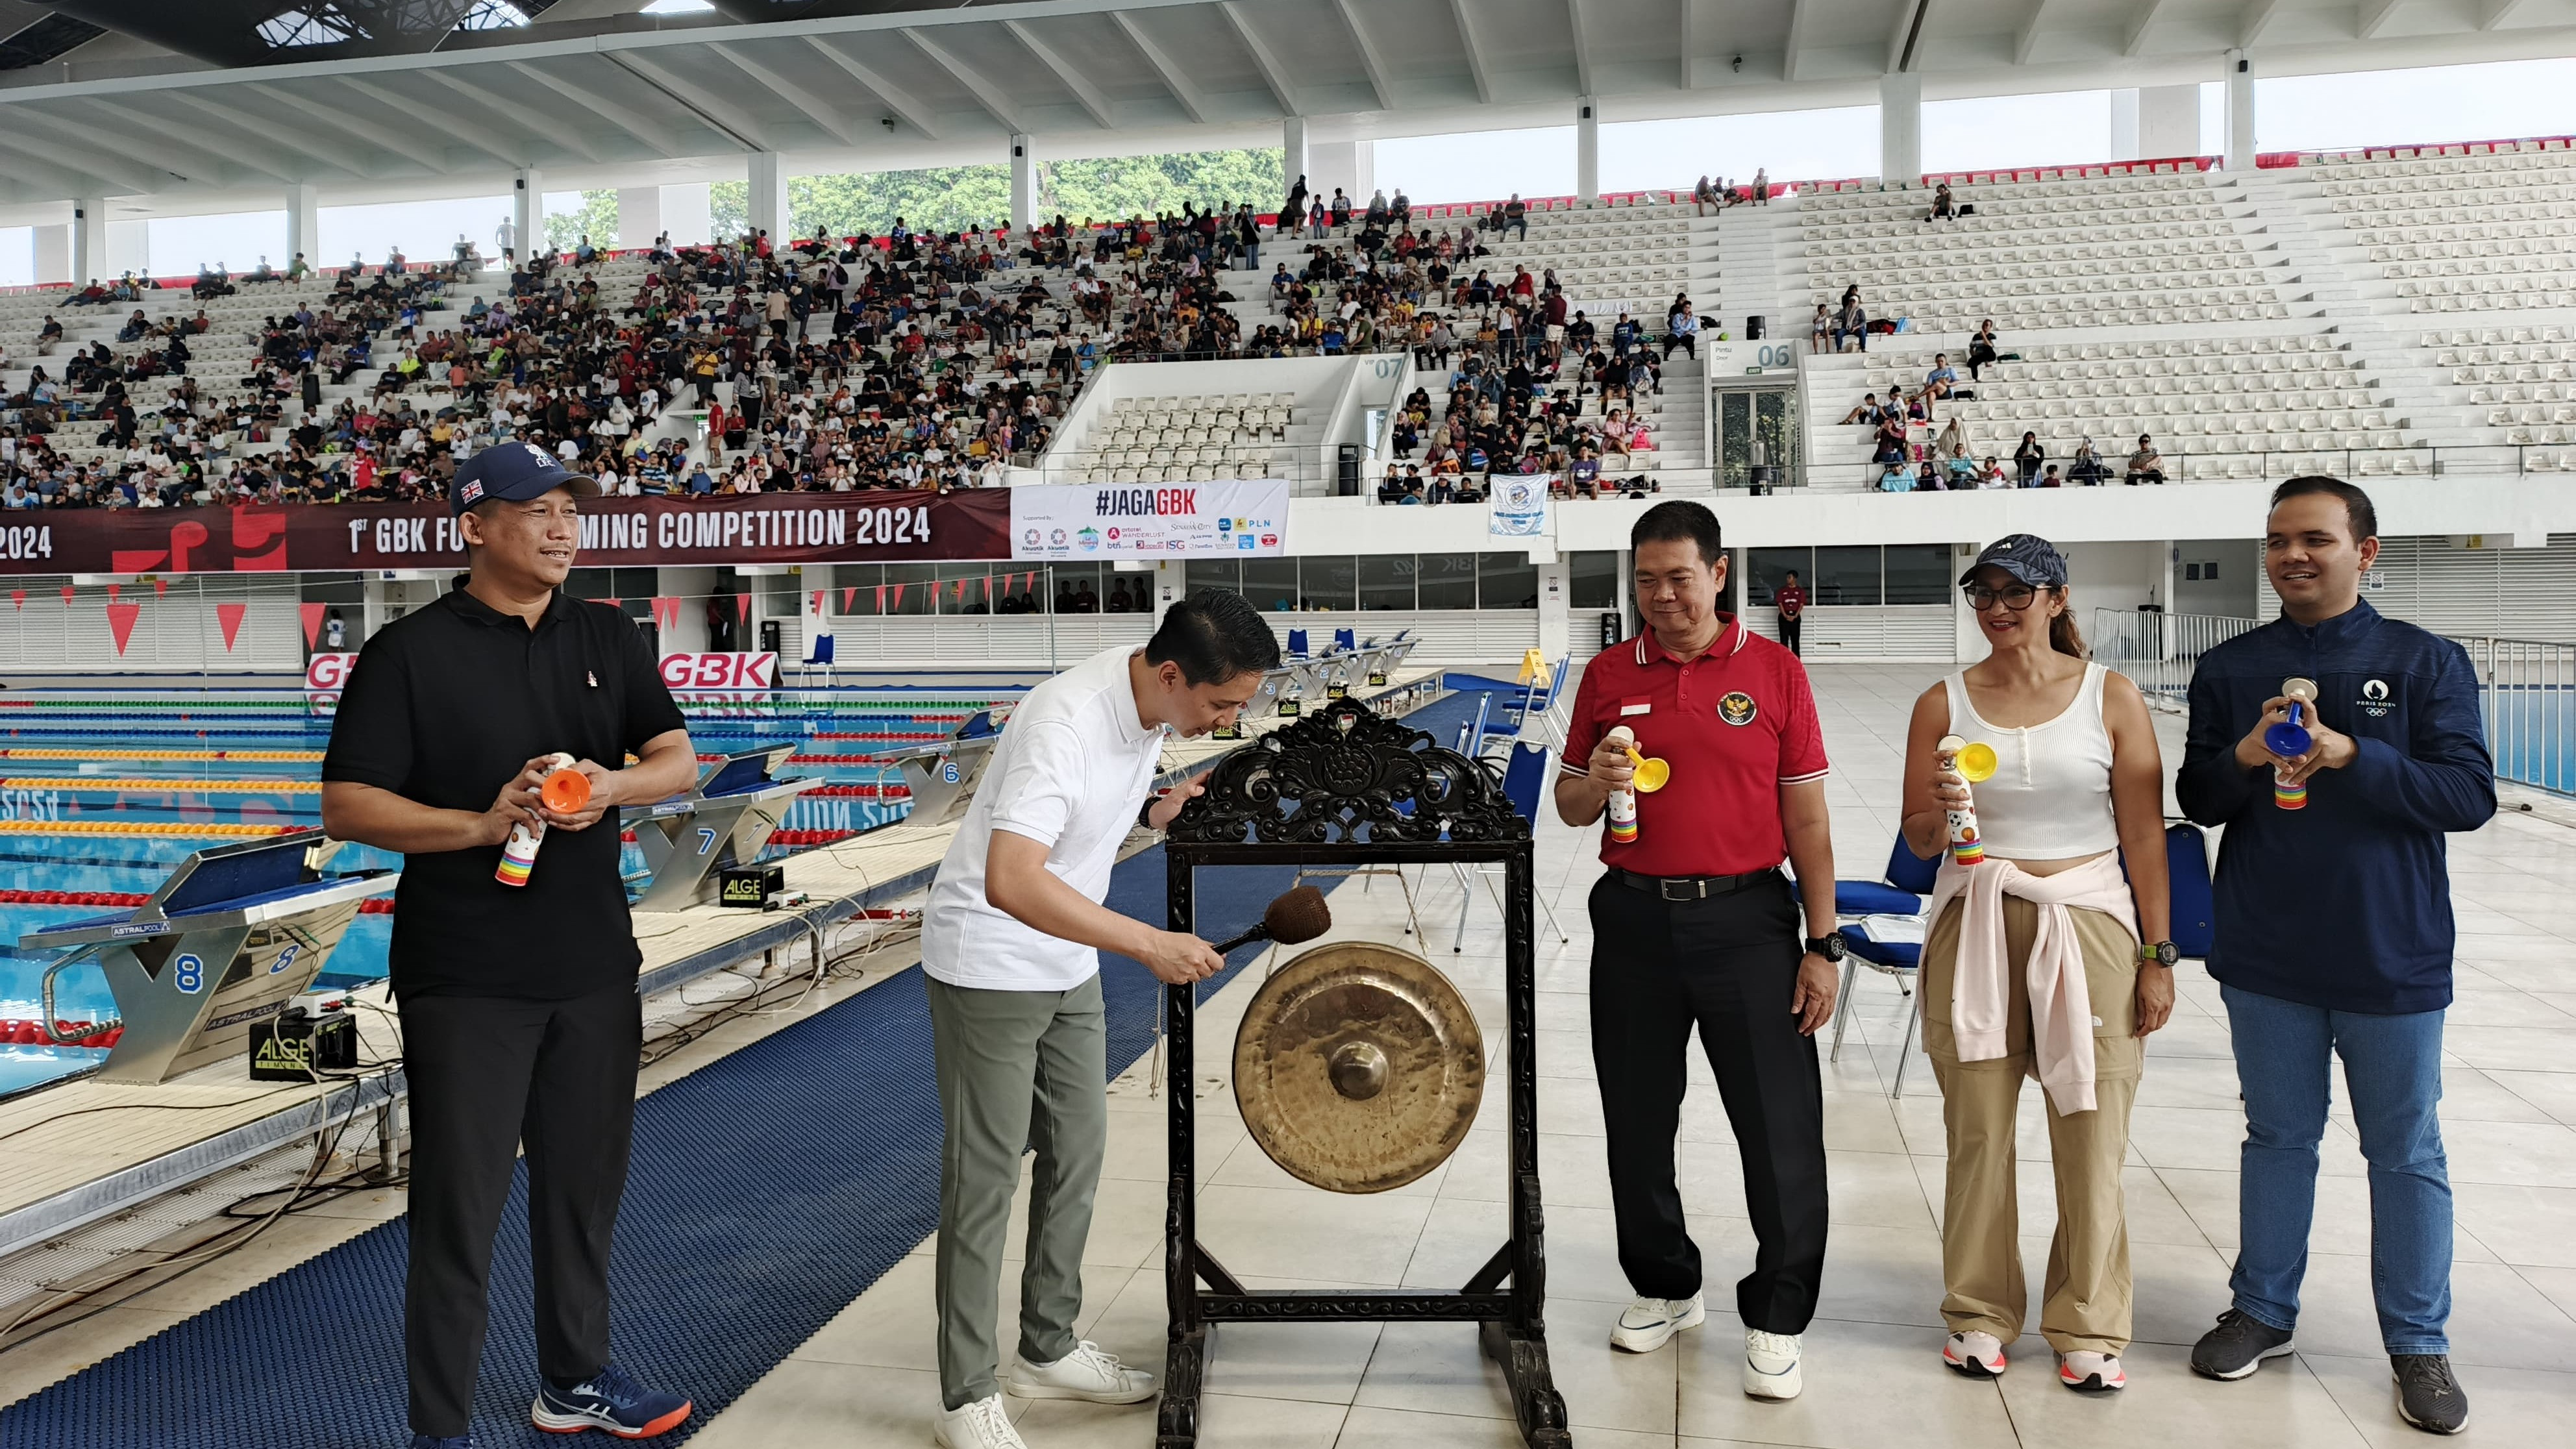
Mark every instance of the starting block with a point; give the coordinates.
(724, 820)
(943, 776)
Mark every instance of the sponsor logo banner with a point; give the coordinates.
(729, 672)
(1150, 520)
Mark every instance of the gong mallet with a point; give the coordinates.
(1293, 919)
(2292, 738)
(1974, 763)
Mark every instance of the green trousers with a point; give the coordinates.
(1018, 1070)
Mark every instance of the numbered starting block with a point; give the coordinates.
(942, 776)
(723, 821)
(232, 936)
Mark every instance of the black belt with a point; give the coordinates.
(1691, 887)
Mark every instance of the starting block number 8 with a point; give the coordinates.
(189, 974)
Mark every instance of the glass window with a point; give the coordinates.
(1386, 580)
(1592, 579)
(1764, 568)
(1775, 420)
(1847, 575)
(1734, 438)
(1214, 573)
(1506, 581)
(1270, 583)
(1448, 581)
(908, 587)
(1329, 582)
(1918, 573)
(1074, 583)
(863, 577)
(964, 588)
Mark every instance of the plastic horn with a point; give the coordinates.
(519, 851)
(2292, 738)
(1974, 763)
(1652, 775)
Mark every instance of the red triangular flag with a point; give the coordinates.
(230, 616)
(112, 590)
(67, 593)
(312, 621)
(120, 622)
(742, 607)
(958, 592)
(819, 596)
(988, 586)
(898, 594)
(161, 588)
(850, 599)
(19, 598)
(881, 598)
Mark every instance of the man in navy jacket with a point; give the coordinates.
(2334, 932)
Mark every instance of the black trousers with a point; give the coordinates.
(1727, 965)
(1789, 634)
(489, 1074)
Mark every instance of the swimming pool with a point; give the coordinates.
(103, 791)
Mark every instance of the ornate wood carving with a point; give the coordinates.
(1342, 774)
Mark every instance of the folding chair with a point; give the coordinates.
(822, 657)
(1885, 934)
(1297, 645)
(1525, 778)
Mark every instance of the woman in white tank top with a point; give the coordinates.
(2032, 965)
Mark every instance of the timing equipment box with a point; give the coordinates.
(751, 886)
(297, 1048)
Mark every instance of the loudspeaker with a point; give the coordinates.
(1756, 327)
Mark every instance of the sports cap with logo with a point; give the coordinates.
(2026, 556)
(513, 472)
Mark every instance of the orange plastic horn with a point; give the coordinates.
(566, 791)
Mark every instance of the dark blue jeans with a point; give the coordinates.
(2392, 1066)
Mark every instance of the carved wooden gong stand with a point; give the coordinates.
(1342, 786)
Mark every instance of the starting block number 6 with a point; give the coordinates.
(188, 974)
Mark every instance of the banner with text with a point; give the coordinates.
(769, 528)
(1150, 520)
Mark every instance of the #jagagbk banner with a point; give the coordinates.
(1150, 520)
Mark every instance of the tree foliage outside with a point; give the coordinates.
(596, 218)
(952, 198)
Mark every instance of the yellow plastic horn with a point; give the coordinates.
(1652, 775)
(1976, 762)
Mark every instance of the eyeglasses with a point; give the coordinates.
(2016, 596)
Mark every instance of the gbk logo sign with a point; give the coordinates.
(720, 671)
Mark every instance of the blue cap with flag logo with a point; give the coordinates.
(513, 472)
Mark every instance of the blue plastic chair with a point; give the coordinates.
(1901, 894)
(1471, 734)
(2195, 903)
(1345, 640)
(1297, 644)
(822, 656)
(1525, 777)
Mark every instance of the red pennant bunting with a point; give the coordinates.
(112, 591)
(18, 597)
(819, 596)
(958, 593)
(67, 593)
(988, 586)
(312, 621)
(881, 598)
(161, 588)
(898, 594)
(850, 599)
(742, 607)
(230, 616)
(120, 622)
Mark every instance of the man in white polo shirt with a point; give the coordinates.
(1010, 943)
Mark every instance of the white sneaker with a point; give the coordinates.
(1978, 1355)
(1087, 1373)
(2087, 1372)
(1771, 1365)
(980, 1425)
(1650, 1323)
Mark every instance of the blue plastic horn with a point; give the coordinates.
(2291, 738)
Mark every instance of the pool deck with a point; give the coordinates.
(86, 1150)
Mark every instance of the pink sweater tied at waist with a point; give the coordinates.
(2061, 1008)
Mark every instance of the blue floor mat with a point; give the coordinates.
(733, 1247)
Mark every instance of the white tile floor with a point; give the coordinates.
(1872, 1372)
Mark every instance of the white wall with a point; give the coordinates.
(177, 632)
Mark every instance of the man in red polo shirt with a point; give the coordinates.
(1693, 924)
(1792, 600)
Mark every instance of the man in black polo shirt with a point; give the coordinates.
(520, 1020)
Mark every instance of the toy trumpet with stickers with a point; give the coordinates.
(2292, 738)
(565, 791)
(1974, 763)
(1651, 775)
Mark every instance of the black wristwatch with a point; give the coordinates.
(1829, 945)
(1145, 812)
(2162, 953)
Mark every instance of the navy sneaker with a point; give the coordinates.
(423, 1441)
(610, 1401)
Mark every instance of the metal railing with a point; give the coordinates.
(2526, 687)
(2499, 460)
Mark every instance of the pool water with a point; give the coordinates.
(102, 792)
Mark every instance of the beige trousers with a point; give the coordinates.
(2085, 1301)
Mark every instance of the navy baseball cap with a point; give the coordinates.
(2026, 556)
(515, 472)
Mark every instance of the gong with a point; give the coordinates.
(1358, 1067)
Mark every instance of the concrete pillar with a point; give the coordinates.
(129, 248)
(303, 223)
(528, 211)
(1555, 631)
(688, 214)
(1350, 165)
(1024, 183)
(1587, 150)
(89, 240)
(769, 196)
(1293, 160)
(2168, 121)
(639, 215)
(54, 253)
(2124, 126)
(2239, 153)
(1900, 127)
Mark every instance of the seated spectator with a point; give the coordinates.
(1992, 475)
(1761, 191)
(1895, 477)
(1820, 329)
(2028, 457)
(1889, 447)
(1938, 383)
(2048, 477)
(1515, 217)
(2087, 469)
(1702, 196)
(1681, 330)
(1927, 479)
(1851, 325)
(1944, 206)
(1981, 348)
(2146, 464)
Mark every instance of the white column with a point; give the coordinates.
(1024, 183)
(303, 223)
(2239, 155)
(1350, 165)
(54, 253)
(89, 240)
(1293, 160)
(688, 214)
(129, 248)
(769, 196)
(639, 215)
(2168, 121)
(2124, 126)
(1900, 128)
(528, 211)
(1587, 149)
(1555, 632)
